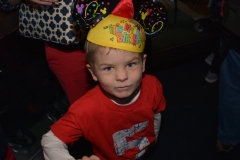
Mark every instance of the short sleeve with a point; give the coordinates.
(154, 91)
(160, 99)
(67, 128)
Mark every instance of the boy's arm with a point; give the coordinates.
(54, 148)
(157, 123)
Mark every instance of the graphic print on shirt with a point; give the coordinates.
(121, 145)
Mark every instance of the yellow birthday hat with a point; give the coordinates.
(119, 30)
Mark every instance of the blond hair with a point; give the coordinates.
(91, 48)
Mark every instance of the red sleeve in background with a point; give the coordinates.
(222, 7)
(9, 154)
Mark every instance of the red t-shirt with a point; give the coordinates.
(116, 132)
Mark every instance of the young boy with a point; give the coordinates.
(121, 115)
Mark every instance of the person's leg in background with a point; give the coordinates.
(70, 69)
(214, 61)
(229, 103)
(69, 66)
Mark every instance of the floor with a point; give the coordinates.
(189, 122)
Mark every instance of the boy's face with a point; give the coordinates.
(119, 72)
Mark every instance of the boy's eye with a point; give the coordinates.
(131, 64)
(107, 68)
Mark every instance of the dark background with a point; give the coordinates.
(189, 124)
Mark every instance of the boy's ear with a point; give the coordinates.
(92, 73)
(144, 62)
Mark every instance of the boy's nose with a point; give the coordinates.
(121, 75)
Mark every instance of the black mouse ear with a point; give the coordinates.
(88, 13)
(152, 16)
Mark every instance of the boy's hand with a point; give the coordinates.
(92, 157)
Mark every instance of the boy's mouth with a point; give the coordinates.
(123, 88)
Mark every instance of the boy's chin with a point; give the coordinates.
(119, 97)
(126, 95)
(122, 99)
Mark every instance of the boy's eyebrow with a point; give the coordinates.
(104, 64)
(133, 59)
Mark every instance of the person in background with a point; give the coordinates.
(121, 115)
(213, 59)
(228, 131)
(67, 62)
